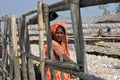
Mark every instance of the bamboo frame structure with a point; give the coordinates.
(43, 10)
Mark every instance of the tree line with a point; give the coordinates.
(106, 8)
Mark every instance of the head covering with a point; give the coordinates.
(64, 45)
(64, 41)
(55, 25)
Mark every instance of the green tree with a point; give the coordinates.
(105, 8)
(117, 10)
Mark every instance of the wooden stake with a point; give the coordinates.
(22, 47)
(11, 61)
(31, 71)
(4, 47)
(78, 34)
(15, 48)
(49, 38)
(41, 39)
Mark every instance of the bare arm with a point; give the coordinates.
(67, 58)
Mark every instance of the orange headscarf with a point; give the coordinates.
(64, 41)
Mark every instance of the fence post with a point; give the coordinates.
(4, 46)
(78, 34)
(41, 39)
(49, 38)
(10, 52)
(15, 48)
(0, 28)
(22, 48)
(30, 66)
(4, 35)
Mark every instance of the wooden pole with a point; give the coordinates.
(41, 39)
(5, 40)
(29, 13)
(82, 75)
(31, 72)
(78, 34)
(3, 48)
(15, 48)
(5, 43)
(71, 66)
(22, 47)
(49, 38)
(63, 5)
(18, 21)
(0, 30)
(11, 61)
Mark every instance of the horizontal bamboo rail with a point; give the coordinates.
(30, 56)
(71, 68)
(81, 75)
(53, 62)
(63, 5)
(29, 13)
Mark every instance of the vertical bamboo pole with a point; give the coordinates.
(15, 48)
(5, 41)
(3, 38)
(41, 39)
(30, 66)
(3, 48)
(78, 34)
(2, 25)
(0, 41)
(18, 21)
(22, 48)
(19, 26)
(31, 72)
(11, 61)
(4, 45)
(0, 30)
(49, 38)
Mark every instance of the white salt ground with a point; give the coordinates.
(100, 66)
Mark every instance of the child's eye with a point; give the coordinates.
(59, 32)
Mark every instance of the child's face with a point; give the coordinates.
(59, 35)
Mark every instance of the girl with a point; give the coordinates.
(59, 44)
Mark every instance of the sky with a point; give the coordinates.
(19, 7)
